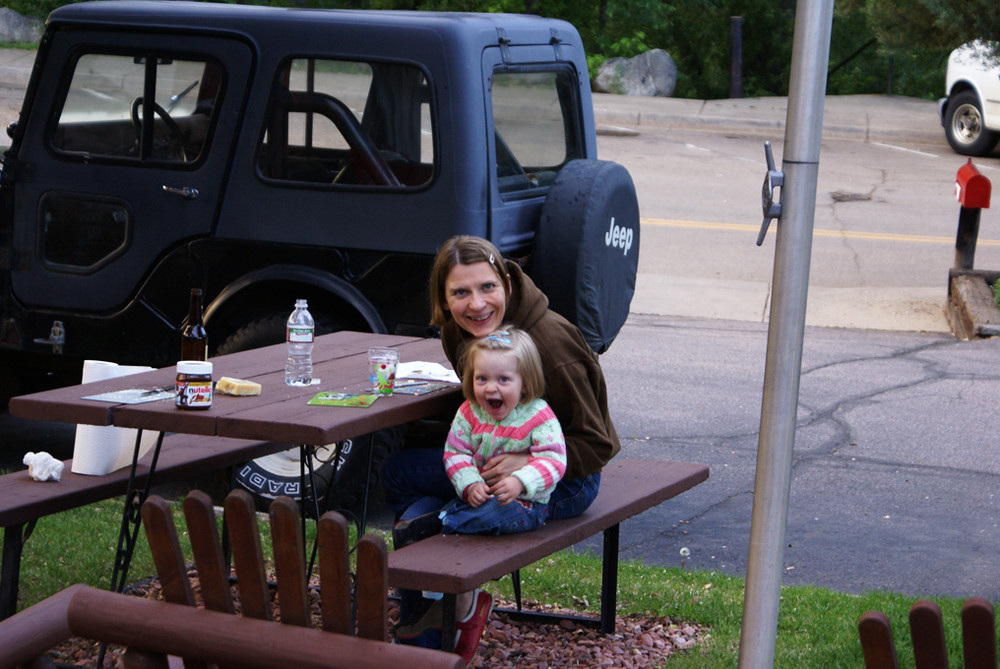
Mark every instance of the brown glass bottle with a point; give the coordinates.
(194, 339)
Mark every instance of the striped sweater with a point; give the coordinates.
(530, 428)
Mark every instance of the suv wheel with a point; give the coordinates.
(964, 126)
(586, 250)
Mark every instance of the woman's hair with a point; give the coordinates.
(462, 250)
(519, 343)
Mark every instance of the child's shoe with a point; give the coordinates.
(469, 630)
(405, 532)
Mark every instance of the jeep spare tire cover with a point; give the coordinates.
(586, 250)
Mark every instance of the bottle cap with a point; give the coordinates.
(194, 367)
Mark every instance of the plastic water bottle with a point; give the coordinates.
(299, 334)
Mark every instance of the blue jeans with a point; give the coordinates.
(415, 483)
(491, 518)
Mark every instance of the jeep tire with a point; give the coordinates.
(586, 251)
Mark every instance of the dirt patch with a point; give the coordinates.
(638, 642)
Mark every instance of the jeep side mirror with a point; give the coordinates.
(11, 129)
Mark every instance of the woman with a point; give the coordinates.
(473, 292)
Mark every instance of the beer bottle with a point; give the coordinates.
(194, 339)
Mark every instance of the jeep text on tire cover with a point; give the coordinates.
(268, 154)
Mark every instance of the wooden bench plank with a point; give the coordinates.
(23, 499)
(456, 563)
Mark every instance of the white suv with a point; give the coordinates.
(970, 113)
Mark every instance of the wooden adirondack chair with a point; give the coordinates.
(158, 633)
(979, 642)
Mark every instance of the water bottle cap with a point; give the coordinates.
(301, 303)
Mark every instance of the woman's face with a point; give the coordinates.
(475, 298)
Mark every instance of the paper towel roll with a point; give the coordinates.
(99, 450)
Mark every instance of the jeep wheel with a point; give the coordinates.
(964, 126)
(280, 471)
(586, 251)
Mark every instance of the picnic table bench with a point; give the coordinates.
(23, 501)
(457, 563)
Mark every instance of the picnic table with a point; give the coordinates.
(277, 418)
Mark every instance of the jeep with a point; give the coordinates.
(265, 154)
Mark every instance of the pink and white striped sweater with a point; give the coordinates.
(530, 428)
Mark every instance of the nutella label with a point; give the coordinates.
(193, 394)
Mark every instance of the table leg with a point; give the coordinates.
(448, 622)
(609, 580)
(131, 517)
(14, 537)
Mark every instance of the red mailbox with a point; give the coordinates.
(972, 189)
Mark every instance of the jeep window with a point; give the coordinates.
(104, 115)
(80, 234)
(536, 130)
(348, 123)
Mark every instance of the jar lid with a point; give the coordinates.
(197, 367)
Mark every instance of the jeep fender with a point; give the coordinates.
(586, 250)
(309, 276)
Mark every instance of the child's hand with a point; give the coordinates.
(507, 490)
(477, 493)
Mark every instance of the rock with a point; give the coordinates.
(17, 28)
(649, 74)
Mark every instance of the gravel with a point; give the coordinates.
(638, 641)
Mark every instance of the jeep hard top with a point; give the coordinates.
(267, 154)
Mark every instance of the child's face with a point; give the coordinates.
(496, 382)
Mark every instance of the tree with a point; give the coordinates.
(928, 24)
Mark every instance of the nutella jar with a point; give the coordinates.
(193, 387)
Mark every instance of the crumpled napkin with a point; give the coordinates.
(43, 467)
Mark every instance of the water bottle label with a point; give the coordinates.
(300, 335)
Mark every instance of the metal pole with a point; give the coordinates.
(800, 163)
(735, 56)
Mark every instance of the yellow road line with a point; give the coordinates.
(842, 234)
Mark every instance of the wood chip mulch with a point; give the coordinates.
(638, 641)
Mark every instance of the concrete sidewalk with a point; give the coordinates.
(864, 117)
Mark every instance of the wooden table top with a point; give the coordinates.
(280, 413)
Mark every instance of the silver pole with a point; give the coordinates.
(800, 163)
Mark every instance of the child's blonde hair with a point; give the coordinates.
(512, 340)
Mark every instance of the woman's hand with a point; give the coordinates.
(477, 493)
(501, 466)
(507, 490)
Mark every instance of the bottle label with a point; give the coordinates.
(300, 335)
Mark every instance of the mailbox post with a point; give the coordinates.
(972, 190)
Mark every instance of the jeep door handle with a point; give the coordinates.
(185, 192)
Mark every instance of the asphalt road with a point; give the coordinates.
(896, 467)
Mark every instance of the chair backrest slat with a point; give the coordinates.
(213, 574)
(248, 558)
(876, 641)
(372, 586)
(334, 573)
(979, 634)
(289, 561)
(161, 534)
(927, 630)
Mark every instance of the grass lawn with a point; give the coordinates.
(817, 628)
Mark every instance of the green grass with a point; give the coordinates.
(817, 628)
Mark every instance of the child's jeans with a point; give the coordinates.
(458, 517)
